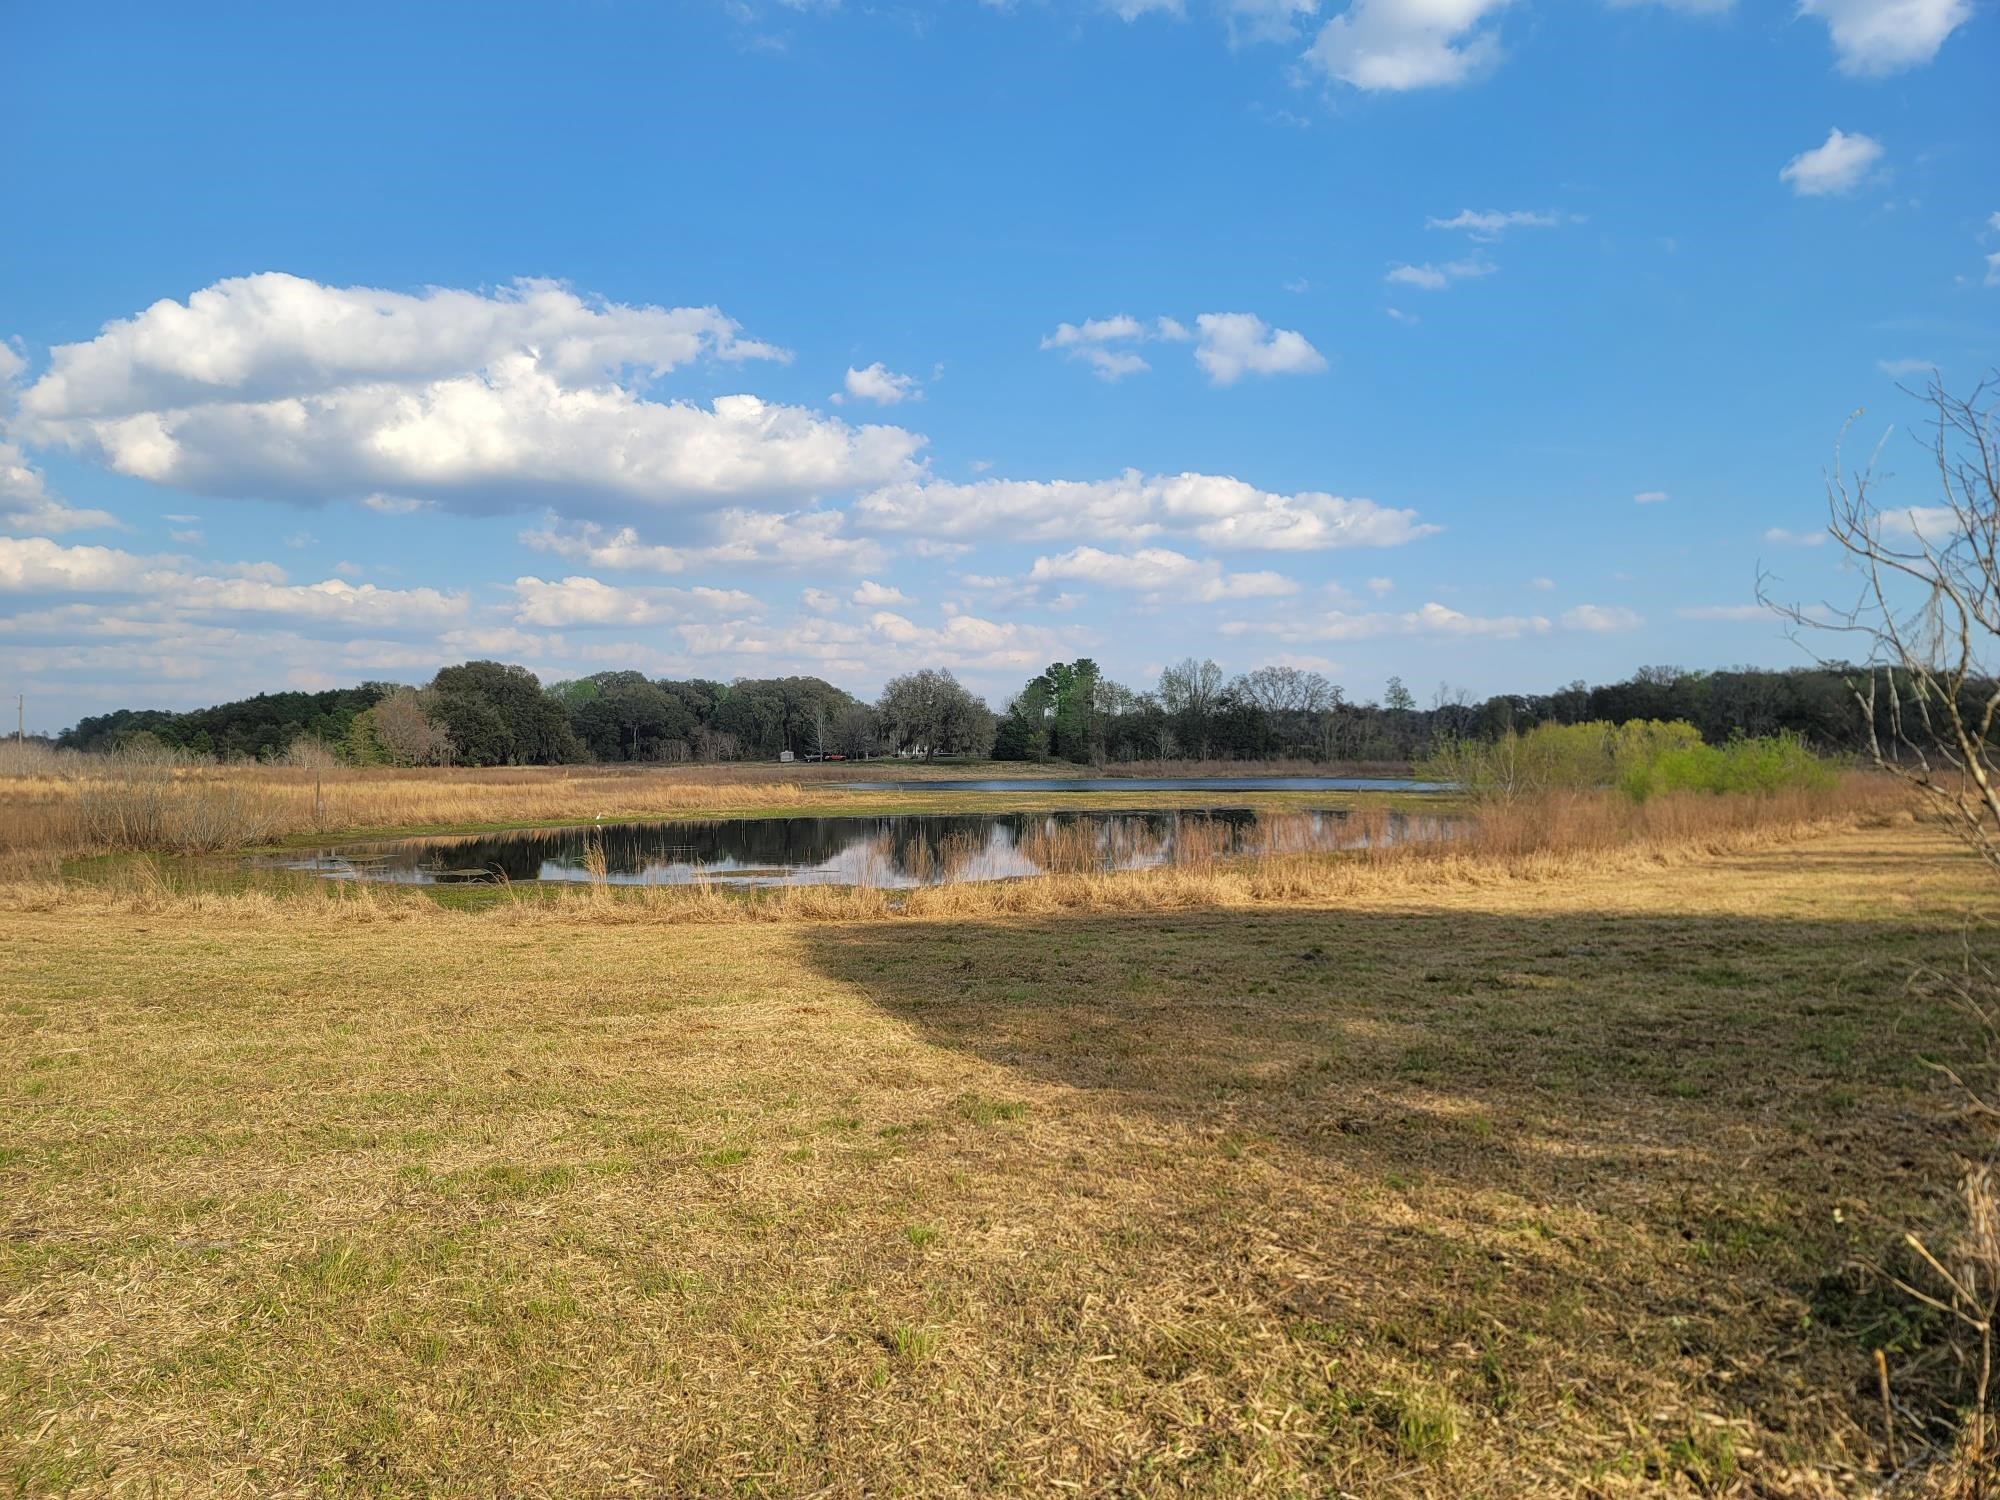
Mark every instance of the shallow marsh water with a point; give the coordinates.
(1151, 784)
(891, 851)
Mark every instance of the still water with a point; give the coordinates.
(891, 852)
(1156, 784)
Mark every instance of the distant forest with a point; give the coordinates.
(488, 713)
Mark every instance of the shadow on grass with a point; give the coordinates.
(1603, 1032)
(1701, 1106)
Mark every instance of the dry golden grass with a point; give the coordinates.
(91, 804)
(1431, 1173)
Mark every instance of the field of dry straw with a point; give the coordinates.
(1542, 1163)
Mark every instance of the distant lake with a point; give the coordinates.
(886, 851)
(1155, 784)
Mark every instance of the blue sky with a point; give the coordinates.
(1485, 342)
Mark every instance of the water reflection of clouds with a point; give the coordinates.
(886, 852)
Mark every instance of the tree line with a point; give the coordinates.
(484, 713)
(1073, 712)
(487, 713)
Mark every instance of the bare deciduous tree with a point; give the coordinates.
(408, 731)
(1924, 630)
(1286, 689)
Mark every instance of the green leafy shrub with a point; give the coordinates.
(1642, 757)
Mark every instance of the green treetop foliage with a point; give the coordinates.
(491, 713)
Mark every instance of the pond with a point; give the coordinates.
(1155, 784)
(884, 851)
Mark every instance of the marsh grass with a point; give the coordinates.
(1549, 839)
(68, 804)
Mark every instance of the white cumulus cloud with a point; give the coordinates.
(1836, 166)
(1232, 345)
(1395, 45)
(880, 384)
(1874, 37)
(964, 642)
(1104, 343)
(272, 385)
(873, 594)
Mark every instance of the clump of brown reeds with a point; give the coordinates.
(1199, 843)
(1064, 847)
(956, 852)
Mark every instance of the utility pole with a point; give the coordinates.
(21, 718)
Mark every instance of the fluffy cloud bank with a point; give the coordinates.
(273, 385)
(580, 601)
(36, 565)
(1221, 511)
(1161, 573)
(738, 538)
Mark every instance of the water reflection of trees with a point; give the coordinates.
(893, 851)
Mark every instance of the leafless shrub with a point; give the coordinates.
(141, 800)
(308, 754)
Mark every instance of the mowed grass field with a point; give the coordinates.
(1489, 1188)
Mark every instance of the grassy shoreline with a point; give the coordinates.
(100, 805)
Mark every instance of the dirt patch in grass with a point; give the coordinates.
(1522, 1187)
